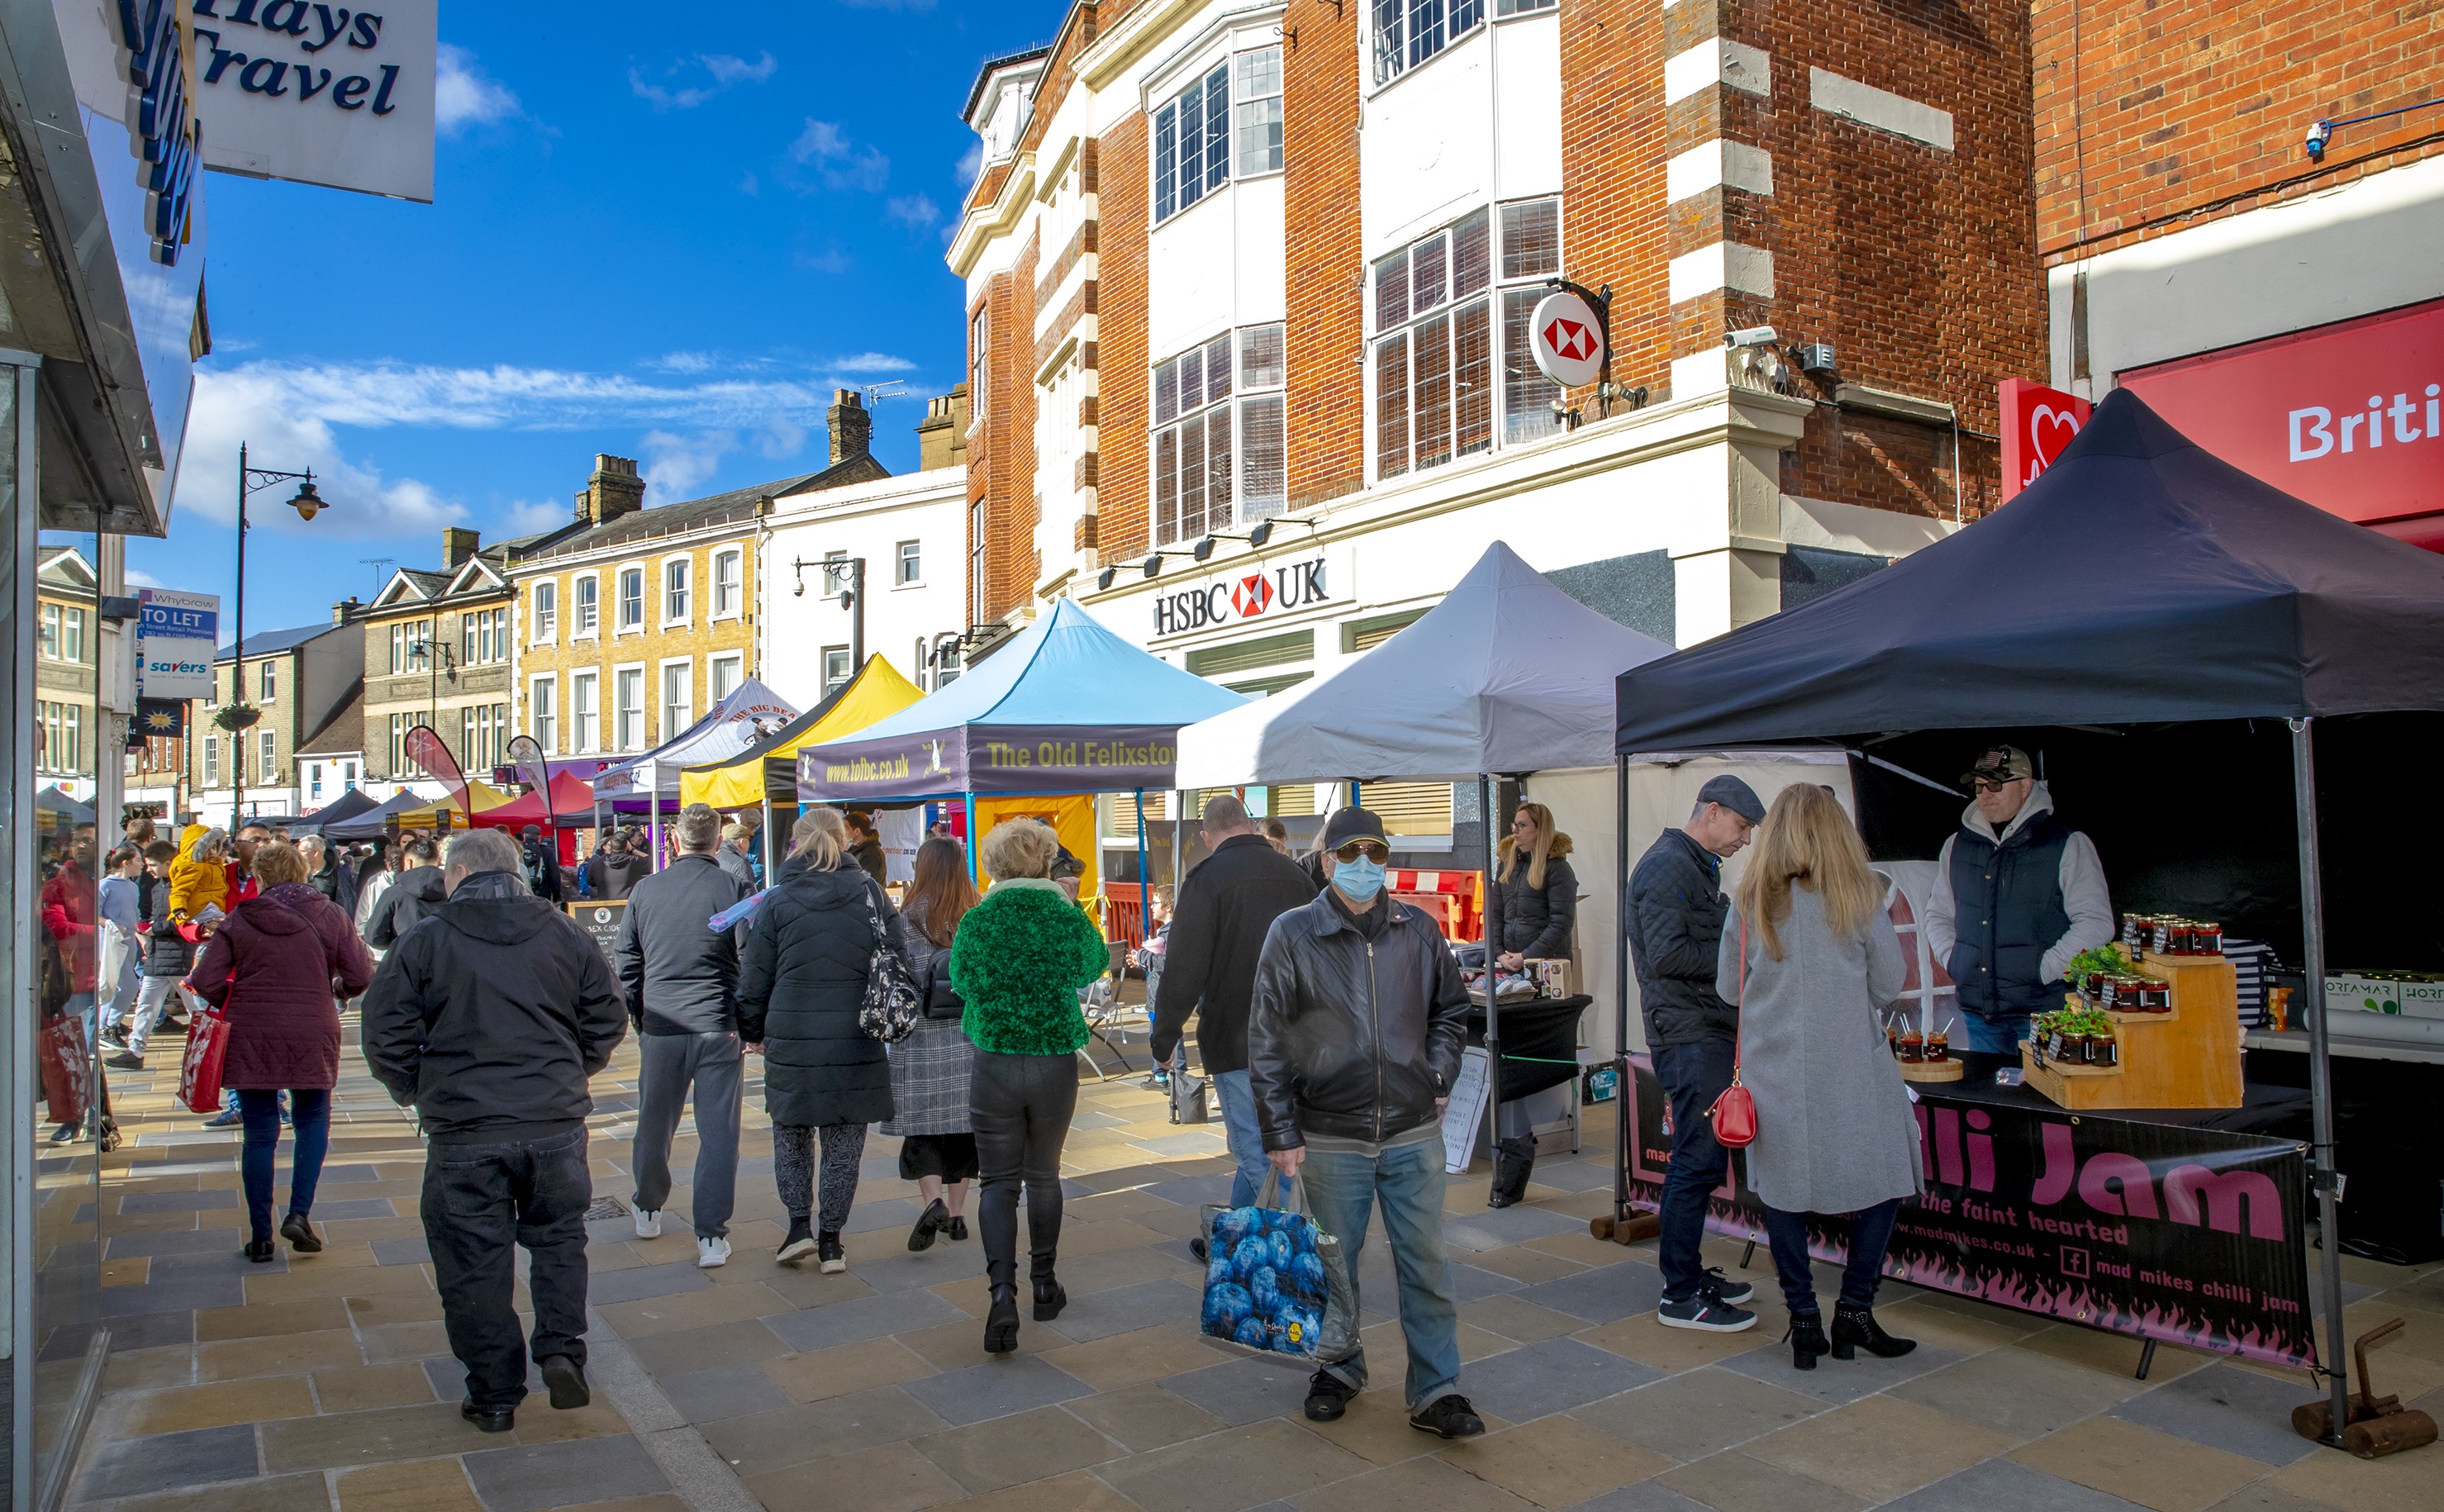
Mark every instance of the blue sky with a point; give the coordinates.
(662, 231)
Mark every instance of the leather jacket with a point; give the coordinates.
(1349, 1038)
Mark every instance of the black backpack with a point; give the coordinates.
(941, 1000)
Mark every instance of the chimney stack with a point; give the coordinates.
(942, 435)
(852, 428)
(457, 544)
(613, 490)
(346, 610)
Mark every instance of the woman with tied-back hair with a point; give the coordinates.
(1810, 959)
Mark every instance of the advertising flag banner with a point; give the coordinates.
(425, 747)
(526, 758)
(176, 637)
(2166, 1231)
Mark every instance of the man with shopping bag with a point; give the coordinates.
(1354, 1039)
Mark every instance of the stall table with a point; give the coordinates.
(2184, 1225)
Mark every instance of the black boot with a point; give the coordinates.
(1856, 1327)
(936, 1219)
(1001, 1323)
(1514, 1159)
(1049, 1298)
(829, 1258)
(1806, 1338)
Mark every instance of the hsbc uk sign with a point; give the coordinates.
(1251, 593)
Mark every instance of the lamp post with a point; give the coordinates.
(239, 716)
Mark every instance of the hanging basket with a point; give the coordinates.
(238, 716)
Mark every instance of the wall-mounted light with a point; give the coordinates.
(1256, 537)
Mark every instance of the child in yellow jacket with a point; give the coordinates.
(200, 878)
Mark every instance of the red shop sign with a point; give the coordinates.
(2037, 423)
(2348, 416)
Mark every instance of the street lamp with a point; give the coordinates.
(240, 717)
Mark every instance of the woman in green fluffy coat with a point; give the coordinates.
(1019, 960)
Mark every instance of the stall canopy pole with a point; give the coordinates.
(653, 814)
(1621, 992)
(1145, 888)
(2320, 1093)
(1492, 1015)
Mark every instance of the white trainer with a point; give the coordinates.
(649, 1224)
(712, 1253)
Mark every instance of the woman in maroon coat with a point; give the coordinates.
(276, 964)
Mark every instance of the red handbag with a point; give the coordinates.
(1735, 1113)
(199, 1075)
(67, 1069)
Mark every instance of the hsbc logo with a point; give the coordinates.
(1250, 595)
(1571, 341)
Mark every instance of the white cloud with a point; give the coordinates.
(464, 95)
(825, 148)
(972, 162)
(781, 437)
(676, 466)
(526, 517)
(913, 211)
(871, 363)
(724, 69)
(748, 185)
(259, 409)
(830, 260)
(139, 577)
(684, 361)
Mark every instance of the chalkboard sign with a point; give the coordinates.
(599, 917)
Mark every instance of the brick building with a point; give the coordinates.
(1232, 265)
(300, 684)
(2224, 234)
(437, 653)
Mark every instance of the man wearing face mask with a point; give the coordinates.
(1354, 1037)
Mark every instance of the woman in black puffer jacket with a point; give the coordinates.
(1536, 893)
(801, 981)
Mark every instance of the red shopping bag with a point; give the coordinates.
(67, 1069)
(199, 1076)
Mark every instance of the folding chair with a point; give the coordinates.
(1101, 1002)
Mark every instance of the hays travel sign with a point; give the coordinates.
(320, 94)
(1256, 591)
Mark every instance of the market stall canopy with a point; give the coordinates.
(346, 806)
(573, 800)
(746, 715)
(1065, 706)
(58, 799)
(1508, 674)
(874, 693)
(2139, 580)
(482, 797)
(371, 824)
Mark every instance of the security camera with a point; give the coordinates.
(1751, 336)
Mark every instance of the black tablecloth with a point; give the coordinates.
(2277, 1111)
(1540, 1041)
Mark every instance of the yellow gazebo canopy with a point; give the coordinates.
(481, 794)
(874, 693)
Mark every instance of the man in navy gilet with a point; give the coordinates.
(2017, 894)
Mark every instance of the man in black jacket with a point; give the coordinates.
(1226, 907)
(488, 1020)
(1677, 910)
(539, 862)
(681, 977)
(1354, 1039)
(416, 892)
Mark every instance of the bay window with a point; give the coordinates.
(1437, 347)
(1232, 113)
(1218, 446)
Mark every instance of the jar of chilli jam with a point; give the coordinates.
(2206, 939)
(2154, 995)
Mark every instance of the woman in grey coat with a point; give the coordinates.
(1810, 958)
(932, 1068)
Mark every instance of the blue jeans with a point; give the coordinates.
(1238, 1101)
(1871, 1235)
(1997, 1036)
(1408, 1184)
(310, 1108)
(1693, 1077)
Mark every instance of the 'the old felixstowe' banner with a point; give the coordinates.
(990, 761)
(2164, 1231)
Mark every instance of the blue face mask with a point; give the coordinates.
(1358, 880)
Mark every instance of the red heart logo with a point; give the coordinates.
(2046, 421)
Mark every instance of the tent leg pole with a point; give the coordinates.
(1145, 888)
(1485, 913)
(1621, 992)
(2320, 1091)
(975, 841)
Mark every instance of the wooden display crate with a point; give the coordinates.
(2189, 1058)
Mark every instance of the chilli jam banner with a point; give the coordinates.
(993, 761)
(2191, 1236)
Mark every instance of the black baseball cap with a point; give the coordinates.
(1734, 795)
(1348, 824)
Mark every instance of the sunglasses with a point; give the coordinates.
(1375, 851)
(1990, 785)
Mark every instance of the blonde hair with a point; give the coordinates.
(1806, 839)
(1020, 847)
(277, 861)
(1544, 833)
(820, 836)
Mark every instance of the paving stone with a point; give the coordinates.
(2140, 1465)
(1646, 1496)
(401, 1252)
(1125, 1309)
(1238, 1467)
(1496, 1227)
(1143, 1417)
(190, 1296)
(279, 1493)
(1833, 1381)
(1602, 1295)
(1141, 1354)
(217, 1404)
(354, 1207)
(409, 1485)
(1552, 1376)
(1700, 1412)
(892, 1478)
(1879, 1447)
(996, 1389)
(140, 1465)
(2000, 1485)
(1409, 1486)
(2228, 1409)
(2023, 1394)
(890, 1212)
(1012, 1451)
(171, 1202)
(1556, 1462)
(1731, 1481)
(729, 1390)
(764, 1442)
(646, 1282)
(1246, 1389)
(845, 1368)
(342, 1440)
(171, 1242)
(532, 1478)
(862, 1318)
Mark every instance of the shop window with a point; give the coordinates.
(1407, 32)
(1219, 456)
(1436, 344)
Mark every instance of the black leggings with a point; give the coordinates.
(1020, 1108)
